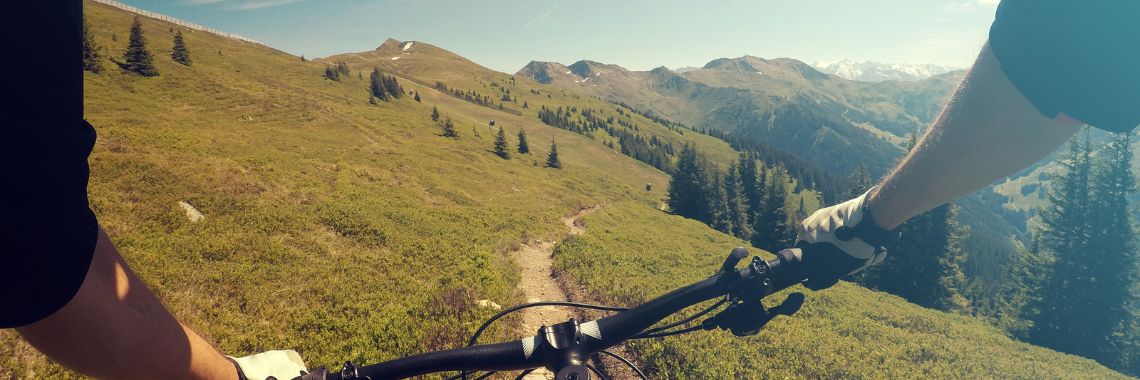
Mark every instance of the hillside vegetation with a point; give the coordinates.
(630, 254)
(352, 231)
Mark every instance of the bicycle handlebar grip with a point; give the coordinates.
(823, 264)
(318, 374)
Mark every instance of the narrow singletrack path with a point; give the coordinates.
(536, 261)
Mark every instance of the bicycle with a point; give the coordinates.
(564, 348)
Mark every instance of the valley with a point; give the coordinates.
(352, 231)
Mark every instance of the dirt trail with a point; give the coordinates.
(538, 284)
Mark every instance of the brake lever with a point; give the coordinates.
(747, 317)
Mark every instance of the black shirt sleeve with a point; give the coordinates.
(1080, 58)
(49, 232)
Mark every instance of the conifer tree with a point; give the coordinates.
(924, 265)
(737, 207)
(1065, 236)
(523, 147)
(552, 160)
(434, 114)
(137, 59)
(376, 85)
(858, 183)
(448, 129)
(417, 97)
(720, 218)
(392, 87)
(92, 58)
(776, 230)
(1114, 257)
(180, 53)
(501, 148)
(1085, 305)
(686, 187)
(757, 213)
(331, 73)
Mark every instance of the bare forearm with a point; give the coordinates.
(116, 328)
(986, 132)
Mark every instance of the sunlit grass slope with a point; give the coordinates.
(345, 230)
(350, 231)
(631, 253)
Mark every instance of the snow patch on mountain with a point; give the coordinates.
(877, 71)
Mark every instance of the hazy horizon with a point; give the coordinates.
(641, 35)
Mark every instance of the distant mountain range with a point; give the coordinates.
(834, 122)
(871, 71)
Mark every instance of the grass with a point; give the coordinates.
(344, 230)
(631, 253)
(355, 232)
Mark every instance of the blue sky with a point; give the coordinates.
(639, 35)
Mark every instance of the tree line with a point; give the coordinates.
(1079, 278)
(136, 58)
(748, 200)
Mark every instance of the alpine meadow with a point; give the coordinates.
(366, 206)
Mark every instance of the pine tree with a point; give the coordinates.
(376, 85)
(392, 87)
(501, 148)
(523, 147)
(303, 58)
(757, 212)
(776, 230)
(137, 59)
(924, 265)
(180, 54)
(686, 187)
(1116, 258)
(331, 73)
(552, 160)
(1065, 236)
(1086, 303)
(417, 98)
(92, 58)
(720, 218)
(448, 129)
(737, 207)
(858, 183)
(434, 114)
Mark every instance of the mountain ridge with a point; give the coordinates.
(302, 179)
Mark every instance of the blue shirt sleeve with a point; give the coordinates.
(1080, 58)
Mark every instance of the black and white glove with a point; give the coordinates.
(281, 365)
(841, 240)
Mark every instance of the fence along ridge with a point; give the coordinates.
(172, 20)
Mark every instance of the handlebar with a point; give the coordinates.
(570, 343)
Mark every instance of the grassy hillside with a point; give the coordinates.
(345, 230)
(351, 231)
(630, 254)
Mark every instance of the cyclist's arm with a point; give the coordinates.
(1047, 65)
(987, 131)
(115, 328)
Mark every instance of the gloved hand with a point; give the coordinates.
(281, 365)
(841, 240)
